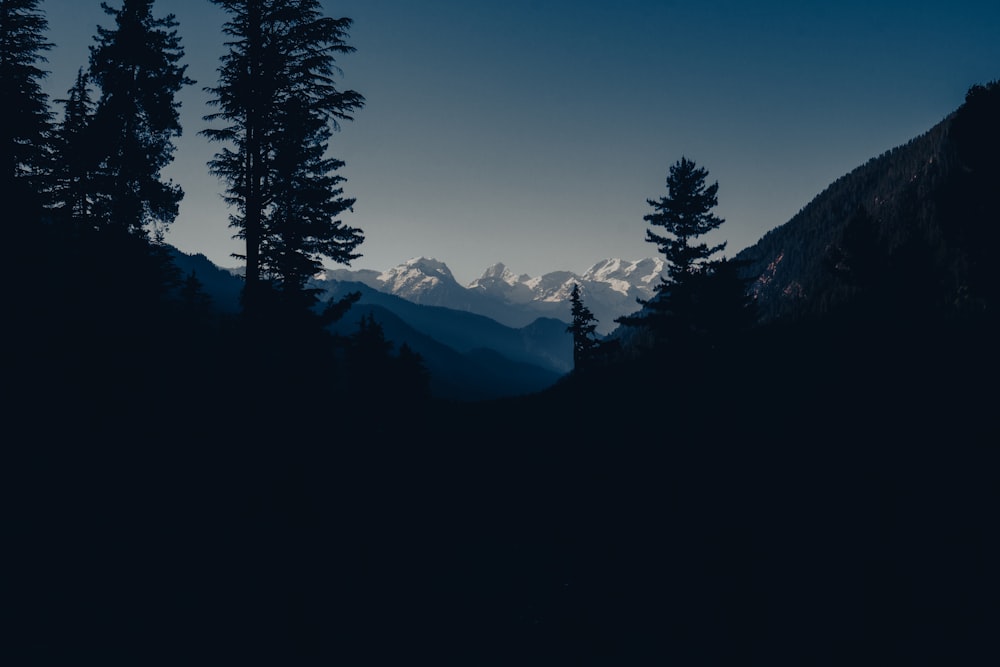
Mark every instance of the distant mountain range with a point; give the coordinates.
(502, 335)
(610, 289)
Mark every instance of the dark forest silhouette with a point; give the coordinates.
(745, 473)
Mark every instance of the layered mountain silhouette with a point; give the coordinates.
(470, 356)
(610, 288)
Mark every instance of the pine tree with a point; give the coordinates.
(685, 214)
(277, 94)
(75, 157)
(585, 345)
(136, 66)
(25, 126)
(25, 118)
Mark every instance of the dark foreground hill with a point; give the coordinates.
(823, 497)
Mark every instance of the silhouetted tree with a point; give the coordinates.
(75, 156)
(136, 66)
(25, 118)
(585, 344)
(276, 93)
(685, 213)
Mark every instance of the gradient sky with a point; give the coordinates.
(532, 131)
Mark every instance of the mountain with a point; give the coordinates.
(222, 285)
(469, 356)
(914, 226)
(610, 289)
(543, 343)
(474, 373)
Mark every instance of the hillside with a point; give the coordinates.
(916, 222)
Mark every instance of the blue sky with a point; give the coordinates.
(532, 132)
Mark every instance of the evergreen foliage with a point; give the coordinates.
(75, 157)
(930, 228)
(136, 66)
(583, 326)
(25, 118)
(699, 299)
(277, 95)
(685, 214)
(374, 370)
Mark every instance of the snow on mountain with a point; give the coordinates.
(625, 277)
(553, 287)
(609, 288)
(498, 281)
(416, 277)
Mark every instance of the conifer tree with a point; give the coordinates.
(75, 156)
(25, 118)
(277, 95)
(583, 327)
(136, 66)
(685, 213)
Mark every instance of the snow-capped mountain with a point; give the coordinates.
(498, 281)
(624, 277)
(609, 288)
(417, 277)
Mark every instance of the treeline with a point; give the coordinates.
(98, 303)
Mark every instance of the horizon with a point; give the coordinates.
(532, 134)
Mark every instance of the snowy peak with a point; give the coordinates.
(416, 276)
(623, 276)
(610, 289)
(495, 276)
(498, 281)
(554, 286)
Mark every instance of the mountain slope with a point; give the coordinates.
(545, 343)
(470, 356)
(914, 224)
(475, 374)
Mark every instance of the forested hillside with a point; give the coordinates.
(918, 223)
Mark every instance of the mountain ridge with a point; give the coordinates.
(915, 223)
(611, 288)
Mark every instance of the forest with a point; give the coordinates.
(786, 457)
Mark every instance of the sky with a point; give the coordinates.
(532, 132)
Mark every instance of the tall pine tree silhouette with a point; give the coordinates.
(25, 118)
(75, 158)
(582, 327)
(136, 66)
(277, 96)
(684, 213)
